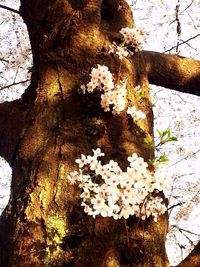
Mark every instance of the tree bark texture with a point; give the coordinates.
(44, 224)
(173, 71)
(193, 259)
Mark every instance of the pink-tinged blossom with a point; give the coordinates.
(93, 162)
(106, 211)
(110, 192)
(97, 153)
(73, 177)
(85, 194)
(113, 95)
(101, 169)
(89, 210)
(101, 190)
(98, 202)
(120, 51)
(128, 196)
(107, 177)
(82, 161)
(113, 165)
(133, 158)
(126, 211)
(133, 37)
(113, 196)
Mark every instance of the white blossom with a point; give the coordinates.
(108, 191)
(133, 37)
(135, 113)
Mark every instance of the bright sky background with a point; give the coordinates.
(179, 112)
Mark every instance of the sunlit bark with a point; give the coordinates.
(174, 72)
(44, 223)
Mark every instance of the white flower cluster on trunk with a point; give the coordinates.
(113, 95)
(108, 191)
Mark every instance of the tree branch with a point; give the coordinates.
(4, 60)
(9, 9)
(173, 72)
(12, 84)
(193, 259)
(184, 230)
(178, 204)
(183, 42)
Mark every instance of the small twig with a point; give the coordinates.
(182, 12)
(4, 60)
(183, 42)
(183, 159)
(192, 20)
(175, 205)
(9, 9)
(191, 242)
(178, 27)
(184, 230)
(181, 248)
(16, 83)
(187, 7)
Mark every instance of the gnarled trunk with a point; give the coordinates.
(44, 224)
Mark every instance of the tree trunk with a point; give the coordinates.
(44, 224)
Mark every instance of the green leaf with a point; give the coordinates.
(163, 158)
(159, 132)
(149, 141)
(173, 138)
(165, 136)
(167, 132)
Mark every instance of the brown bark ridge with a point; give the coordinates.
(193, 259)
(44, 224)
(173, 71)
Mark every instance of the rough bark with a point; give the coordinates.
(193, 259)
(44, 224)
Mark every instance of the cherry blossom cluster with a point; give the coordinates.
(113, 95)
(133, 37)
(101, 79)
(108, 191)
(119, 50)
(115, 98)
